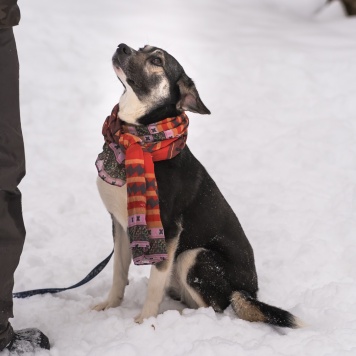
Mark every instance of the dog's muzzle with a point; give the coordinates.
(122, 53)
(123, 49)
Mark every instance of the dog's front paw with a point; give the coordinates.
(147, 312)
(139, 319)
(107, 304)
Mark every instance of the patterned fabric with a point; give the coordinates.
(128, 155)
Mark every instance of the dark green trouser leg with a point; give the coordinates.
(12, 170)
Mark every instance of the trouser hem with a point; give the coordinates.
(6, 336)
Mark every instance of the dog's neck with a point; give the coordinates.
(159, 114)
(131, 108)
(136, 113)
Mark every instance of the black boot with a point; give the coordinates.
(28, 340)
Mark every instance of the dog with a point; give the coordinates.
(210, 261)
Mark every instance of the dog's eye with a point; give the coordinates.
(156, 61)
(130, 82)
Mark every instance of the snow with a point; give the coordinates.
(280, 80)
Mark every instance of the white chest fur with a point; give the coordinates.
(115, 200)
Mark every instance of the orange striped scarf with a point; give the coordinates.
(135, 148)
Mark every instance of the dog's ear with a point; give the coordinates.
(189, 97)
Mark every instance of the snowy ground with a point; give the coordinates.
(280, 82)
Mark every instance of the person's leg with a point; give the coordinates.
(12, 170)
(12, 234)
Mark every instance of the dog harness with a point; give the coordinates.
(128, 155)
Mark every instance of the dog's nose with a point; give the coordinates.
(122, 48)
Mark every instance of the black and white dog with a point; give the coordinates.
(210, 261)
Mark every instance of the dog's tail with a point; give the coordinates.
(251, 309)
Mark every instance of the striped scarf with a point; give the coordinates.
(128, 155)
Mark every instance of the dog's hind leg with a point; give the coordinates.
(122, 259)
(202, 280)
(203, 275)
(159, 279)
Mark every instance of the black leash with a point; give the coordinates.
(88, 278)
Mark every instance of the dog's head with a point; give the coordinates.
(156, 86)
